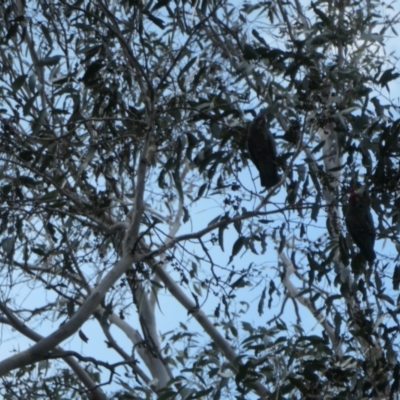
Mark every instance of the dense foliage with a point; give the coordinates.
(125, 176)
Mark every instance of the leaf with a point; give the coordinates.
(378, 282)
(215, 130)
(178, 184)
(260, 307)
(198, 76)
(6, 189)
(201, 191)
(217, 311)
(160, 4)
(233, 330)
(91, 72)
(259, 38)
(312, 263)
(379, 109)
(338, 322)
(28, 105)
(339, 168)
(315, 208)
(214, 220)
(186, 215)
(200, 394)
(187, 66)
(238, 226)
(344, 251)
(46, 161)
(247, 327)
(161, 179)
(249, 53)
(396, 277)
(59, 111)
(37, 124)
(8, 247)
(83, 336)
(372, 37)
(386, 298)
(52, 231)
(192, 142)
(250, 244)
(38, 251)
(318, 147)
(271, 290)
(46, 34)
(283, 238)
(32, 83)
(176, 114)
(12, 31)
(26, 155)
(237, 247)
(197, 288)
(157, 21)
(27, 181)
(388, 76)
(221, 236)
(49, 61)
(204, 7)
(321, 15)
(366, 160)
(18, 83)
(396, 378)
(302, 230)
(320, 40)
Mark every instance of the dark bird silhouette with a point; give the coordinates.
(360, 225)
(262, 150)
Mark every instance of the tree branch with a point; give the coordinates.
(294, 294)
(203, 320)
(39, 351)
(79, 371)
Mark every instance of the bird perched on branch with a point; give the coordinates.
(262, 150)
(360, 225)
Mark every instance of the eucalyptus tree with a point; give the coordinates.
(120, 122)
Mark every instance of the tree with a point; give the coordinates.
(119, 121)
